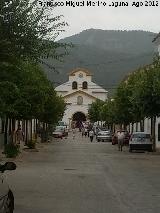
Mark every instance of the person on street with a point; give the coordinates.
(85, 132)
(20, 136)
(74, 132)
(88, 130)
(91, 134)
(120, 137)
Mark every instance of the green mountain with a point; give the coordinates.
(108, 54)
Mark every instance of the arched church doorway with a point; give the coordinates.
(78, 118)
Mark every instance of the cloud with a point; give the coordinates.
(120, 18)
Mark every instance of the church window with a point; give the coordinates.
(85, 85)
(74, 85)
(80, 75)
(79, 100)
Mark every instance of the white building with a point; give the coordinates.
(79, 93)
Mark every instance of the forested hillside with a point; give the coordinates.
(108, 54)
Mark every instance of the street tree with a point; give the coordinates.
(108, 113)
(36, 98)
(28, 31)
(147, 95)
(95, 111)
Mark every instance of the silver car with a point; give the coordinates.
(104, 136)
(140, 141)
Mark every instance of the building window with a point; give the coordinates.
(79, 100)
(80, 75)
(74, 85)
(85, 85)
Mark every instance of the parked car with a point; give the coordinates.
(60, 132)
(57, 134)
(104, 136)
(126, 139)
(140, 141)
(6, 195)
(104, 129)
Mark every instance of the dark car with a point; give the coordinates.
(6, 195)
(126, 139)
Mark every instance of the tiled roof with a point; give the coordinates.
(80, 69)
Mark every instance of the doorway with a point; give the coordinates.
(78, 118)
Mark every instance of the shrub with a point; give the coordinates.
(11, 150)
(31, 144)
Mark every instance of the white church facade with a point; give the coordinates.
(79, 92)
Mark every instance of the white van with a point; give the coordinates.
(140, 141)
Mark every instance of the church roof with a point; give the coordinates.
(80, 91)
(80, 69)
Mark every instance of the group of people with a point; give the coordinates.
(88, 132)
(85, 132)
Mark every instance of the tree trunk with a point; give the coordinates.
(136, 127)
(124, 126)
(113, 127)
(13, 124)
(10, 126)
(3, 126)
(101, 124)
(26, 139)
(13, 138)
(132, 127)
(31, 132)
(142, 125)
(43, 133)
(129, 129)
(153, 124)
(36, 128)
(6, 132)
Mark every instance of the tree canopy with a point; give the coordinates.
(28, 31)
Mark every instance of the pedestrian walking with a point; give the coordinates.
(74, 132)
(91, 135)
(85, 132)
(120, 136)
(20, 137)
(88, 130)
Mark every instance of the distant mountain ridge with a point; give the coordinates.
(108, 54)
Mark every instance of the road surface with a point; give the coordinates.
(76, 176)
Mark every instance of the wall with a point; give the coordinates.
(72, 106)
(92, 90)
(71, 110)
(76, 77)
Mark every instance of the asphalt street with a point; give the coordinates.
(77, 176)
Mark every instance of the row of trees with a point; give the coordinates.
(27, 37)
(137, 97)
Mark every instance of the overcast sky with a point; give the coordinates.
(109, 18)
